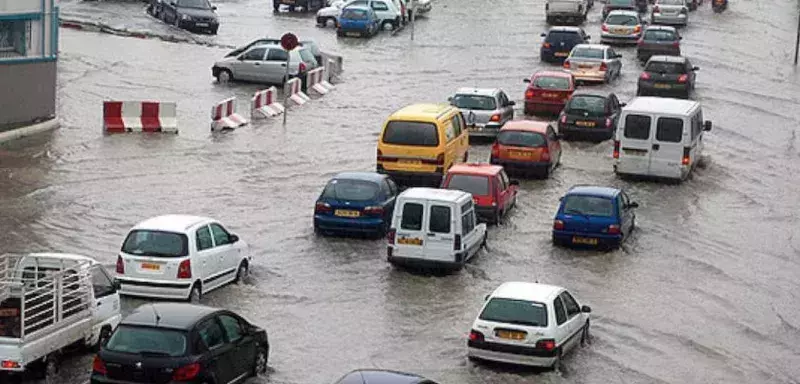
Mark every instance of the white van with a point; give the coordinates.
(49, 302)
(434, 228)
(659, 137)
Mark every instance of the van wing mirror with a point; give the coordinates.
(707, 125)
(214, 8)
(586, 309)
(623, 104)
(543, 34)
(485, 298)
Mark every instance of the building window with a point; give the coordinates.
(14, 36)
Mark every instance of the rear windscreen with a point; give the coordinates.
(659, 35)
(551, 82)
(587, 53)
(622, 20)
(411, 133)
(476, 185)
(155, 243)
(669, 129)
(147, 341)
(591, 105)
(664, 67)
(588, 205)
(354, 14)
(563, 36)
(307, 56)
(480, 103)
(521, 139)
(511, 311)
(351, 190)
(637, 127)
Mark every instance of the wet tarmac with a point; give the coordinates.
(706, 291)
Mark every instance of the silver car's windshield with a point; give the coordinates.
(587, 53)
(481, 103)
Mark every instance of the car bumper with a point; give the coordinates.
(596, 76)
(566, 16)
(344, 224)
(585, 132)
(415, 262)
(678, 90)
(488, 130)
(486, 214)
(519, 165)
(553, 57)
(612, 38)
(513, 354)
(154, 288)
(681, 19)
(414, 179)
(532, 107)
(566, 237)
(198, 25)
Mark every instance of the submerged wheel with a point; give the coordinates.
(195, 295)
(260, 362)
(585, 336)
(242, 272)
(224, 76)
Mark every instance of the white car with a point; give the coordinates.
(528, 324)
(388, 11)
(180, 257)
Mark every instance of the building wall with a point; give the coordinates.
(29, 92)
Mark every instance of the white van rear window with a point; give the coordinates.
(669, 129)
(412, 217)
(440, 219)
(637, 127)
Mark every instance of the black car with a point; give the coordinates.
(311, 45)
(590, 116)
(192, 15)
(559, 41)
(177, 342)
(378, 376)
(307, 5)
(667, 76)
(619, 5)
(658, 40)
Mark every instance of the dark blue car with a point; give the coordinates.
(356, 202)
(594, 216)
(380, 376)
(559, 41)
(358, 20)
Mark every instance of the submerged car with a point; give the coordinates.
(548, 91)
(590, 116)
(622, 27)
(356, 202)
(381, 376)
(309, 44)
(265, 64)
(559, 41)
(484, 109)
(357, 21)
(492, 191)
(594, 216)
(667, 76)
(193, 15)
(526, 147)
(658, 40)
(593, 63)
(672, 12)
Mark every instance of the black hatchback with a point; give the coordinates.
(381, 376)
(559, 41)
(590, 116)
(173, 342)
(667, 76)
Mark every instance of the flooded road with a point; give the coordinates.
(706, 291)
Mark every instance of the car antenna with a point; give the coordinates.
(155, 311)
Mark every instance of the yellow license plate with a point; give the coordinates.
(511, 335)
(561, 54)
(412, 162)
(620, 31)
(585, 123)
(519, 154)
(346, 213)
(409, 241)
(550, 95)
(662, 86)
(584, 240)
(151, 266)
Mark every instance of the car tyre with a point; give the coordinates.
(276, 6)
(224, 76)
(242, 272)
(556, 367)
(51, 368)
(392, 25)
(260, 362)
(195, 295)
(586, 337)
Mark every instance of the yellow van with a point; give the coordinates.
(420, 142)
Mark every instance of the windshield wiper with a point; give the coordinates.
(579, 213)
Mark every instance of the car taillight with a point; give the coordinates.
(98, 366)
(186, 373)
(457, 243)
(545, 154)
(475, 335)
(120, 265)
(656, 9)
(640, 42)
(616, 149)
(566, 64)
(373, 211)
(302, 67)
(603, 66)
(558, 224)
(644, 76)
(495, 117)
(608, 122)
(185, 269)
(604, 28)
(563, 118)
(322, 207)
(637, 29)
(683, 78)
(546, 344)
(390, 236)
(440, 159)
(545, 45)
(10, 364)
(687, 152)
(613, 229)
(496, 149)
(529, 94)
(676, 44)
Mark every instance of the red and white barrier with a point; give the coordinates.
(317, 82)
(264, 103)
(139, 116)
(293, 89)
(224, 116)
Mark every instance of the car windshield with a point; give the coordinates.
(155, 243)
(670, 2)
(620, 2)
(551, 82)
(147, 341)
(354, 14)
(411, 133)
(351, 190)
(521, 139)
(476, 185)
(563, 36)
(509, 311)
(664, 67)
(622, 20)
(588, 205)
(587, 53)
(593, 105)
(481, 103)
(199, 4)
(659, 35)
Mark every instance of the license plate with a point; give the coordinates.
(585, 66)
(520, 154)
(511, 335)
(352, 34)
(662, 86)
(584, 240)
(550, 95)
(151, 266)
(346, 213)
(412, 162)
(409, 241)
(561, 54)
(585, 123)
(202, 24)
(635, 152)
(621, 31)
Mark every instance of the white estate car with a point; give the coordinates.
(528, 324)
(180, 257)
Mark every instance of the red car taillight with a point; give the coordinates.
(322, 207)
(120, 265)
(546, 45)
(99, 366)
(676, 44)
(440, 159)
(656, 9)
(496, 149)
(373, 211)
(529, 94)
(604, 28)
(603, 66)
(495, 118)
(186, 373)
(475, 335)
(608, 122)
(683, 78)
(640, 42)
(185, 269)
(558, 225)
(302, 68)
(545, 156)
(644, 76)
(687, 153)
(563, 118)
(616, 149)
(637, 29)
(547, 344)
(390, 236)
(613, 229)
(566, 64)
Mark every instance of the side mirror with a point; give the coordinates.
(486, 298)
(214, 8)
(695, 68)
(633, 205)
(586, 309)
(526, 80)
(543, 34)
(234, 238)
(514, 182)
(172, 3)
(512, 103)
(680, 37)
(588, 37)
(450, 99)
(618, 56)
(240, 58)
(623, 104)
(117, 284)
(707, 126)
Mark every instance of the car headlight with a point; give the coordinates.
(185, 17)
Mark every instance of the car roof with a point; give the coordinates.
(564, 28)
(478, 91)
(518, 290)
(525, 125)
(171, 223)
(425, 109)
(379, 376)
(448, 195)
(665, 105)
(181, 316)
(623, 12)
(591, 190)
(484, 169)
(668, 59)
(549, 73)
(593, 46)
(364, 176)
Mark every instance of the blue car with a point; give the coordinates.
(356, 202)
(594, 216)
(358, 21)
(559, 41)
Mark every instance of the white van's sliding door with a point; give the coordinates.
(635, 144)
(440, 237)
(410, 238)
(668, 148)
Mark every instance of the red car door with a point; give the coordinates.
(554, 144)
(510, 191)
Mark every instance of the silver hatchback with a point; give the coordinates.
(672, 12)
(485, 110)
(265, 64)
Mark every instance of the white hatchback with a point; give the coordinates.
(180, 257)
(528, 324)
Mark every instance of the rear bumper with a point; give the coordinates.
(649, 88)
(532, 107)
(584, 132)
(574, 16)
(486, 214)
(680, 19)
(519, 165)
(343, 224)
(565, 237)
(550, 56)
(413, 179)
(590, 76)
(488, 130)
(414, 262)
(512, 354)
(612, 38)
(154, 288)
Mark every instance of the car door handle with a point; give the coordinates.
(99, 303)
(656, 147)
(257, 63)
(432, 234)
(283, 65)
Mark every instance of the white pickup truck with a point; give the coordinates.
(49, 302)
(574, 11)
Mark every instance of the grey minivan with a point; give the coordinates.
(485, 110)
(264, 64)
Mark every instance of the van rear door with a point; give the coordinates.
(668, 148)
(410, 238)
(440, 232)
(635, 144)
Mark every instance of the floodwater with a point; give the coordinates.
(706, 291)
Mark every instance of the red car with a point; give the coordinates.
(548, 91)
(493, 193)
(527, 146)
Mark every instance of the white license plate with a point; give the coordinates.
(356, 34)
(202, 24)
